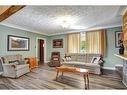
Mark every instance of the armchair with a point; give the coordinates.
(55, 59)
(14, 66)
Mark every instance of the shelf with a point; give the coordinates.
(121, 56)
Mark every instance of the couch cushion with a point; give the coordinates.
(80, 64)
(71, 62)
(21, 66)
(73, 56)
(81, 57)
(21, 62)
(92, 65)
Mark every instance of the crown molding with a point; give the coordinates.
(17, 27)
(89, 29)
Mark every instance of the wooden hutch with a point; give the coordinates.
(124, 57)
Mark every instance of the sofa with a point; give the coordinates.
(92, 62)
(14, 66)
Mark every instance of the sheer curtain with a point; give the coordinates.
(96, 41)
(73, 43)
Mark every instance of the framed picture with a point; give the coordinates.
(95, 59)
(58, 43)
(118, 38)
(17, 43)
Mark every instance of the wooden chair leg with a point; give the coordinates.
(57, 74)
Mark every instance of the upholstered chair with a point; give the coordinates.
(14, 66)
(55, 59)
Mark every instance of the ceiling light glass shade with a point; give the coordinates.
(65, 21)
(65, 25)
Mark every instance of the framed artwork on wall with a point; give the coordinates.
(58, 43)
(17, 43)
(118, 38)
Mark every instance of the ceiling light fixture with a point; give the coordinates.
(65, 21)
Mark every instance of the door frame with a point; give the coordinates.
(38, 38)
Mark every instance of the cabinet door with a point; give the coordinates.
(125, 72)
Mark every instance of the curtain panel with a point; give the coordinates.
(73, 43)
(96, 41)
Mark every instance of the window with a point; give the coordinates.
(87, 42)
(83, 43)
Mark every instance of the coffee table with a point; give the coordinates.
(74, 70)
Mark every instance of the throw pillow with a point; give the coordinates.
(95, 60)
(14, 62)
(68, 58)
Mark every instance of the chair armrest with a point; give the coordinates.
(9, 66)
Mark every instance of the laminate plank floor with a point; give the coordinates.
(43, 78)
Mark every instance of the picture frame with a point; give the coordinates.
(58, 43)
(95, 59)
(18, 43)
(118, 37)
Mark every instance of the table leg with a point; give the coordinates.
(57, 74)
(88, 80)
(85, 81)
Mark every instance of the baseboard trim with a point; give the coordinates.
(108, 68)
(47, 61)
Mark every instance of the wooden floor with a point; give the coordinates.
(44, 78)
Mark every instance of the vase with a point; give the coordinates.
(121, 49)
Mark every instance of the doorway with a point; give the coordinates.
(41, 51)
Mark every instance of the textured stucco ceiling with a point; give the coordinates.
(41, 19)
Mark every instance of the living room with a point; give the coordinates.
(19, 25)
